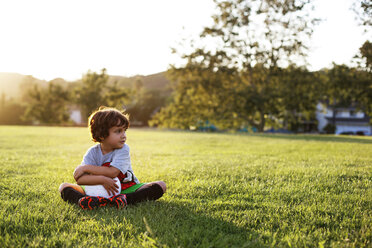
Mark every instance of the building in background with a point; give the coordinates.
(343, 120)
(75, 115)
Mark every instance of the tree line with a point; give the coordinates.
(51, 103)
(225, 98)
(229, 100)
(247, 73)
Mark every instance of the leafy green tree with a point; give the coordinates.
(145, 103)
(115, 96)
(47, 105)
(364, 92)
(363, 10)
(11, 111)
(201, 96)
(347, 86)
(27, 84)
(89, 95)
(366, 55)
(362, 83)
(231, 80)
(299, 92)
(93, 91)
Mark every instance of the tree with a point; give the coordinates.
(366, 55)
(47, 105)
(27, 84)
(94, 91)
(90, 94)
(363, 10)
(115, 96)
(363, 84)
(11, 111)
(144, 105)
(231, 79)
(299, 92)
(347, 86)
(198, 99)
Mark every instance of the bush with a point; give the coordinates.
(329, 128)
(11, 113)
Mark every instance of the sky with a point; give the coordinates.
(53, 38)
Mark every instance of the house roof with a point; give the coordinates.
(365, 119)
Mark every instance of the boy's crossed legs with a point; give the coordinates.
(75, 194)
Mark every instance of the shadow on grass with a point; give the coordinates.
(319, 138)
(177, 225)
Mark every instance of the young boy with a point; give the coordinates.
(105, 176)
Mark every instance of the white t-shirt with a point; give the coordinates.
(118, 158)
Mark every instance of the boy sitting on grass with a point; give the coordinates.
(105, 176)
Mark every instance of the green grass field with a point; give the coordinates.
(224, 190)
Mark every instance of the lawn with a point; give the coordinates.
(224, 190)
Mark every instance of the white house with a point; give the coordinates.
(347, 120)
(75, 115)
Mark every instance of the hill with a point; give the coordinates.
(157, 81)
(10, 83)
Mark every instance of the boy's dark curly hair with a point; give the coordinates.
(101, 120)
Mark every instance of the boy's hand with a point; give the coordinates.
(110, 185)
(78, 172)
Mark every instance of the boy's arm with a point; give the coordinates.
(95, 170)
(108, 183)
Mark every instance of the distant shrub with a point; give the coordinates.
(329, 128)
(11, 113)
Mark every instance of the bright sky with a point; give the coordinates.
(50, 38)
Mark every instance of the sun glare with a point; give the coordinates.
(49, 39)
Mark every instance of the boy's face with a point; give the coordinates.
(116, 138)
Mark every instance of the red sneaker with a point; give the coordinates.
(119, 201)
(92, 202)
